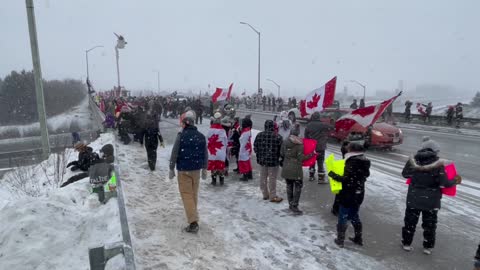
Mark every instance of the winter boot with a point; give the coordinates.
(321, 178)
(295, 210)
(222, 179)
(250, 175)
(341, 229)
(358, 235)
(244, 177)
(311, 178)
(192, 228)
(214, 180)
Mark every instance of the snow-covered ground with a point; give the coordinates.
(78, 118)
(238, 230)
(53, 228)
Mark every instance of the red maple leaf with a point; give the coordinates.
(214, 144)
(314, 102)
(248, 146)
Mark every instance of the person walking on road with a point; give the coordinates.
(427, 173)
(291, 160)
(318, 131)
(151, 136)
(357, 170)
(217, 149)
(189, 156)
(267, 147)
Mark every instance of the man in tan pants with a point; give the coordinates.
(190, 156)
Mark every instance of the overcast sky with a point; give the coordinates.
(197, 43)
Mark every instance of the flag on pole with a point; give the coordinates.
(319, 99)
(222, 94)
(364, 116)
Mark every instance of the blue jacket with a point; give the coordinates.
(189, 152)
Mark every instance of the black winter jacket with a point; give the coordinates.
(427, 173)
(357, 170)
(318, 131)
(267, 146)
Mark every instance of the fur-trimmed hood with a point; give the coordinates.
(427, 167)
(426, 160)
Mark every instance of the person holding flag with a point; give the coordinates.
(217, 149)
(314, 103)
(245, 153)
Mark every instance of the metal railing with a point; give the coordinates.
(99, 256)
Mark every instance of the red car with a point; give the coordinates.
(383, 135)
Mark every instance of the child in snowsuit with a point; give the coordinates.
(357, 170)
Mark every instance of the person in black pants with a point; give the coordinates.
(152, 136)
(427, 173)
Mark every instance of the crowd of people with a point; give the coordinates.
(279, 151)
(453, 112)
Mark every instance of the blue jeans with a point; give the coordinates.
(346, 214)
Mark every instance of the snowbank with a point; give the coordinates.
(78, 118)
(54, 229)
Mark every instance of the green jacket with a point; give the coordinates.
(293, 157)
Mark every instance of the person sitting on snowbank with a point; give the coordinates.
(106, 160)
(86, 157)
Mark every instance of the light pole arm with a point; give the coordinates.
(98, 46)
(253, 28)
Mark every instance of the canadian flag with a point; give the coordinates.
(217, 147)
(244, 164)
(222, 94)
(319, 99)
(364, 116)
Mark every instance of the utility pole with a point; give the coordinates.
(37, 71)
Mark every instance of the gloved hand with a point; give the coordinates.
(162, 144)
(171, 174)
(204, 174)
(332, 175)
(74, 168)
(458, 179)
(281, 162)
(71, 163)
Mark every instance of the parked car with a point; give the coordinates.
(381, 135)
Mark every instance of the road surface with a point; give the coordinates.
(382, 213)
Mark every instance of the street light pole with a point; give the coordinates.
(158, 79)
(278, 86)
(258, 33)
(86, 56)
(362, 85)
(37, 71)
(120, 45)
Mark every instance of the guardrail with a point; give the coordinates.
(99, 256)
